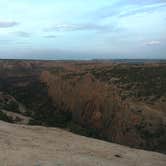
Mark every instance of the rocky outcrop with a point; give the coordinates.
(12, 110)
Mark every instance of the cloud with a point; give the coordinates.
(144, 9)
(50, 36)
(138, 2)
(77, 27)
(7, 24)
(129, 8)
(22, 34)
(152, 43)
(22, 43)
(5, 41)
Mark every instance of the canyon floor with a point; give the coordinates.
(22, 145)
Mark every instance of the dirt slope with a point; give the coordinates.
(40, 146)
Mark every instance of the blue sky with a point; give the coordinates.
(79, 29)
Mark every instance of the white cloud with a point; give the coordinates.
(7, 24)
(22, 34)
(76, 27)
(153, 42)
(50, 36)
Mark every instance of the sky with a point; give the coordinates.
(83, 29)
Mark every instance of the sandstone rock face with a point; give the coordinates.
(41, 146)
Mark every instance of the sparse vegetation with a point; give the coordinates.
(114, 102)
(137, 81)
(5, 118)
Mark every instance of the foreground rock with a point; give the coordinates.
(40, 146)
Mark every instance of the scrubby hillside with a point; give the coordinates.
(121, 103)
(99, 107)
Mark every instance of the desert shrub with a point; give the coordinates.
(11, 106)
(5, 118)
(48, 115)
(78, 129)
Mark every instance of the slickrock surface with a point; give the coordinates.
(40, 146)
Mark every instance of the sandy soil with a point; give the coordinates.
(40, 146)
